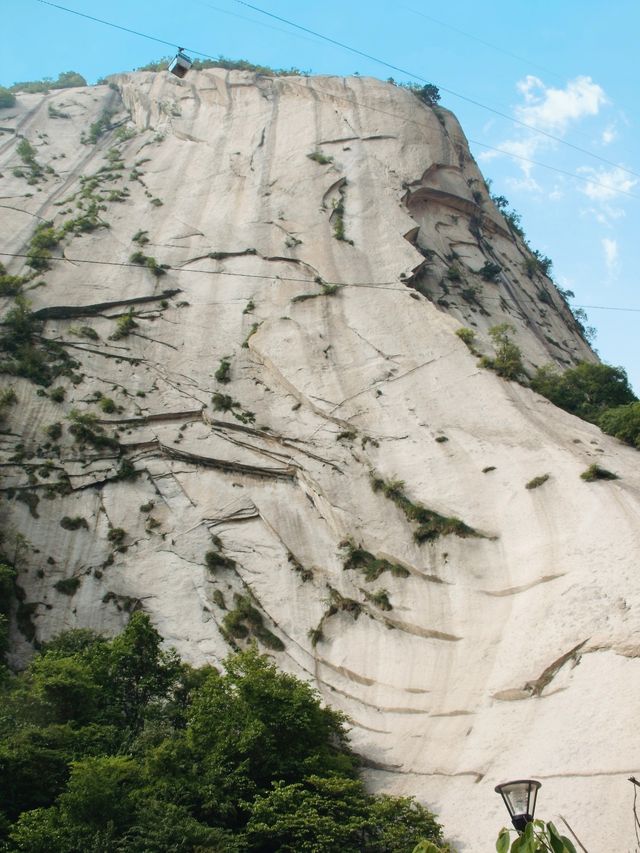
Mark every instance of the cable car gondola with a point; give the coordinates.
(180, 64)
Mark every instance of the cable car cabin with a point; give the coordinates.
(180, 64)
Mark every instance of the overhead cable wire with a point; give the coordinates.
(478, 39)
(359, 53)
(253, 21)
(555, 169)
(452, 92)
(380, 285)
(110, 24)
(348, 100)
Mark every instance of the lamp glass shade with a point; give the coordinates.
(520, 797)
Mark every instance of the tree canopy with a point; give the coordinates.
(598, 393)
(118, 745)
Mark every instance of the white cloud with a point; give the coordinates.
(528, 184)
(553, 110)
(606, 214)
(610, 247)
(607, 183)
(609, 134)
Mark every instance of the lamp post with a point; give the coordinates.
(520, 799)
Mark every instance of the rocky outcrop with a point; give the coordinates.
(291, 417)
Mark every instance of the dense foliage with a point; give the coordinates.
(623, 422)
(7, 98)
(117, 745)
(65, 80)
(598, 393)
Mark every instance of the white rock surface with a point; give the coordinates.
(472, 677)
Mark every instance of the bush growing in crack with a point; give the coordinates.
(107, 405)
(252, 331)
(26, 352)
(150, 263)
(226, 403)
(99, 127)
(430, 524)
(223, 373)
(490, 271)
(338, 218)
(316, 635)
(508, 358)
(326, 290)
(318, 157)
(86, 429)
(338, 603)
(305, 574)
(216, 561)
(380, 598)
(67, 586)
(595, 472)
(116, 536)
(73, 523)
(27, 154)
(218, 599)
(537, 481)
(54, 431)
(11, 285)
(245, 619)
(356, 557)
(141, 238)
(124, 326)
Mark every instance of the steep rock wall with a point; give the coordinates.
(471, 676)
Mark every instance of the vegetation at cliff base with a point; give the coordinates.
(118, 745)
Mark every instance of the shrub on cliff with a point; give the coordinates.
(65, 80)
(7, 98)
(586, 390)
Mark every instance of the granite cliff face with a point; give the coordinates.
(262, 397)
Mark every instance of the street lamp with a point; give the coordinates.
(520, 799)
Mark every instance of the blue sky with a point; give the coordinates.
(566, 68)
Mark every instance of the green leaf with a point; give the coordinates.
(503, 842)
(555, 839)
(530, 842)
(427, 847)
(559, 843)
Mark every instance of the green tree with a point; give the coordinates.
(623, 422)
(7, 592)
(508, 358)
(255, 725)
(116, 745)
(586, 390)
(138, 672)
(65, 80)
(7, 98)
(335, 815)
